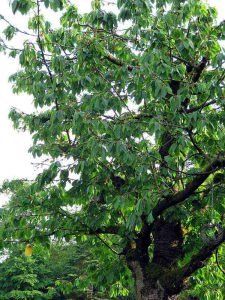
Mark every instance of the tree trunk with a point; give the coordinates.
(155, 278)
(90, 292)
(146, 289)
(153, 294)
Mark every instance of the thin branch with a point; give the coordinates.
(16, 28)
(200, 107)
(107, 245)
(217, 262)
(103, 230)
(117, 62)
(200, 151)
(42, 50)
(106, 230)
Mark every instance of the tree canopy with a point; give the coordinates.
(129, 119)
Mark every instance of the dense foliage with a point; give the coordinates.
(22, 278)
(129, 111)
(52, 274)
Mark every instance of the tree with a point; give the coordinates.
(24, 278)
(53, 274)
(130, 112)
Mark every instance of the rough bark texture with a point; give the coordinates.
(168, 241)
(160, 277)
(150, 275)
(144, 287)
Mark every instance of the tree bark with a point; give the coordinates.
(153, 276)
(146, 289)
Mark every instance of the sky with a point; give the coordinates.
(15, 161)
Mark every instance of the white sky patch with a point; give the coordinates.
(15, 161)
(220, 5)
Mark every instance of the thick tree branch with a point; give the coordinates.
(198, 260)
(105, 230)
(199, 68)
(189, 189)
(167, 141)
